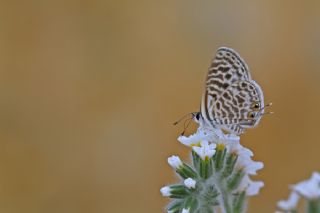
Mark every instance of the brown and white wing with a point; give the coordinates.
(226, 68)
(238, 107)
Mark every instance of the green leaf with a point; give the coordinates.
(235, 179)
(175, 206)
(196, 161)
(229, 165)
(186, 171)
(191, 203)
(220, 156)
(179, 191)
(206, 168)
(209, 197)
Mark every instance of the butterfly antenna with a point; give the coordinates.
(179, 120)
(186, 126)
(267, 113)
(267, 105)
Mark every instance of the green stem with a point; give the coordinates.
(226, 201)
(239, 202)
(313, 206)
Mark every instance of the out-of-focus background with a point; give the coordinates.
(90, 89)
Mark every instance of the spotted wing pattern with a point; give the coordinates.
(231, 101)
(238, 107)
(226, 68)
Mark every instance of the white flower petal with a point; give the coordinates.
(205, 150)
(309, 189)
(199, 151)
(241, 151)
(251, 187)
(227, 138)
(165, 191)
(289, 204)
(185, 210)
(190, 183)
(316, 177)
(252, 167)
(192, 140)
(254, 188)
(195, 139)
(174, 162)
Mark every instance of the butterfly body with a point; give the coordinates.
(231, 100)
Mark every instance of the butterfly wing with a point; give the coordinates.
(226, 68)
(238, 107)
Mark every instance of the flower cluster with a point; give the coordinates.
(219, 177)
(307, 189)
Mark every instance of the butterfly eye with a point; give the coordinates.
(255, 106)
(251, 115)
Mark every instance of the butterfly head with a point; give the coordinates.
(196, 116)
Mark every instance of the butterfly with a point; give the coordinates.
(231, 101)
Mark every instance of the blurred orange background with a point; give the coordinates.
(90, 89)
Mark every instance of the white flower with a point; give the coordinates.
(185, 210)
(195, 139)
(309, 189)
(244, 159)
(174, 162)
(291, 203)
(316, 176)
(251, 187)
(227, 139)
(236, 147)
(190, 183)
(249, 166)
(252, 167)
(165, 191)
(206, 150)
(254, 188)
(209, 134)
